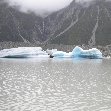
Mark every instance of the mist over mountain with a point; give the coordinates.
(87, 22)
(39, 7)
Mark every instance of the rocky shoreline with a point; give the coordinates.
(106, 50)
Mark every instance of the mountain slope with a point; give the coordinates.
(79, 23)
(89, 25)
(17, 26)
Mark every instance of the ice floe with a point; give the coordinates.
(31, 52)
(23, 52)
(78, 52)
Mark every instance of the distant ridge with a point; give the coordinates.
(79, 23)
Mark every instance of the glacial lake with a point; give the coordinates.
(55, 85)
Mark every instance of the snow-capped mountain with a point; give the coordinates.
(79, 23)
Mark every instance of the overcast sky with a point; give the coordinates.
(39, 6)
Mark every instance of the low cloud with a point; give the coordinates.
(39, 7)
(42, 7)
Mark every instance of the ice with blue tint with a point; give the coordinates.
(23, 52)
(62, 54)
(91, 53)
(78, 52)
(32, 52)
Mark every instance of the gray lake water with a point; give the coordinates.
(55, 85)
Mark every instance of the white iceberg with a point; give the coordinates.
(78, 52)
(34, 52)
(62, 54)
(23, 52)
(50, 52)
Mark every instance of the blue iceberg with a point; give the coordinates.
(34, 52)
(93, 53)
(78, 52)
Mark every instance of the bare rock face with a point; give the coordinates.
(79, 23)
(17, 26)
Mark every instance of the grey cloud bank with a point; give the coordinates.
(39, 7)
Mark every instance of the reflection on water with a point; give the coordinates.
(55, 85)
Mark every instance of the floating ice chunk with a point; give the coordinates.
(91, 53)
(50, 52)
(32, 52)
(62, 54)
(59, 54)
(78, 52)
(23, 52)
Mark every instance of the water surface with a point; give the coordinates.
(55, 85)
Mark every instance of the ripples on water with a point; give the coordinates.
(55, 85)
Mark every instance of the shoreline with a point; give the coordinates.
(106, 50)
